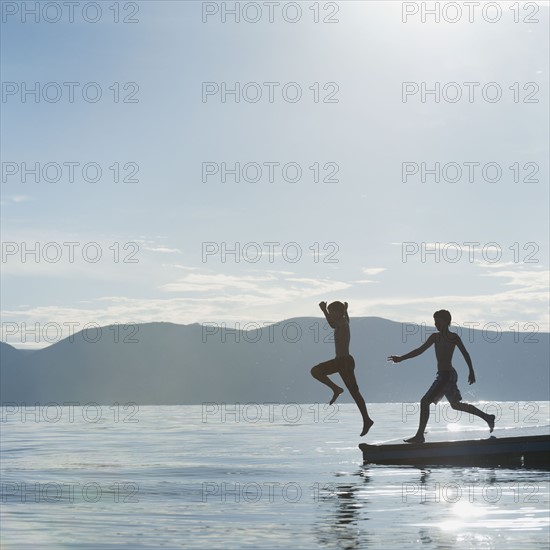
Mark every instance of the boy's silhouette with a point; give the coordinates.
(337, 317)
(445, 383)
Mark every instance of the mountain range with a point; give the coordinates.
(171, 364)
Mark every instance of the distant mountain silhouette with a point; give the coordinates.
(172, 364)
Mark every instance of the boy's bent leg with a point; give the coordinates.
(471, 409)
(348, 376)
(321, 371)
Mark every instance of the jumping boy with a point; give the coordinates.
(445, 383)
(344, 364)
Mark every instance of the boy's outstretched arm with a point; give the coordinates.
(323, 306)
(468, 359)
(414, 352)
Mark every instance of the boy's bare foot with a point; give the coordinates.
(366, 427)
(335, 396)
(491, 422)
(416, 439)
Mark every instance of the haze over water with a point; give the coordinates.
(250, 476)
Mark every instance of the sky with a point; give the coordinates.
(385, 159)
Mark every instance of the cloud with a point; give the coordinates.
(373, 270)
(21, 198)
(200, 282)
(163, 249)
(526, 303)
(259, 289)
(152, 245)
(11, 199)
(526, 280)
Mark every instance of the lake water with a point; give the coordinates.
(271, 476)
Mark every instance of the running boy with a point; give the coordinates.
(344, 364)
(445, 383)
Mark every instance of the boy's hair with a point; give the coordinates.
(444, 315)
(339, 308)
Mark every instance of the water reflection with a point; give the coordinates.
(477, 507)
(343, 513)
(451, 508)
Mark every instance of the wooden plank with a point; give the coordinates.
(519, 450)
